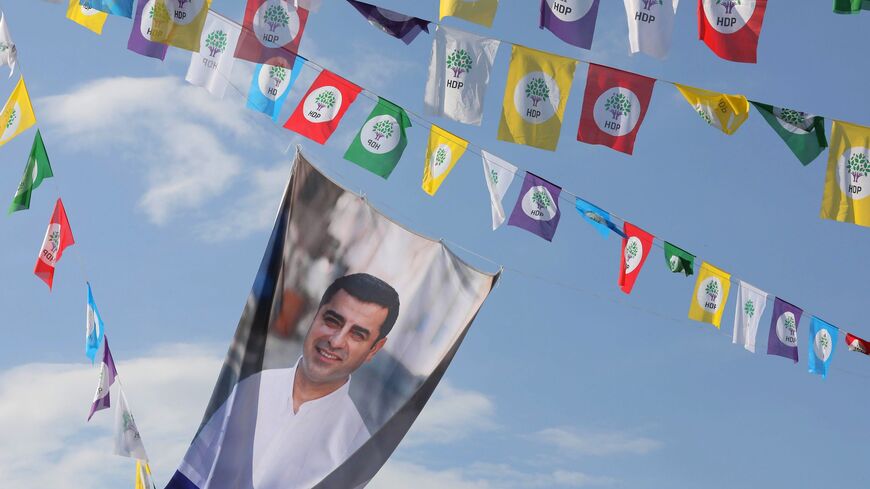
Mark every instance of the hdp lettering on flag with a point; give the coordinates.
(442, 153)
(179, 23)
(140, 40)
(636, 246)
(650, 26)
(747, 315)
(823, 338)
(211, 66)
(803, 133)
(679, 260)
(271, 32)
(722, 111)
(614, 106)
(498, 174)
(597, 217)
(572, 21)
(38, 168)
(58, 237)
(730, 28)
(847, 180)
(17, 115)
(122, 8)
(94, 328)
(782, 339)
(710, 295)
(270, 86)
(85, 16)
(400, 26)
(537, 208)
(108, 372)
(478, 11)
(380, 142)
(321, 109)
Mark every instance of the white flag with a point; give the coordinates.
(8, 51)
(211, 67)
(650, 24)
(458, 75)
(747, 315)
(128, 443)
(498, 174)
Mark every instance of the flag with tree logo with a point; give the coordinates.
(478, 11)
(37, 169)
(803, 133)
(108, 373)
(730, 28)
(271, 32)
(498, 174)
(537, 207)
(650, 26)
(121, 8)
(459, 74)
(270, 86)
(782, 339)
(85, 16)
(17, 115)
(58, 237)
(321, 109)
(597, 217)
(857, 344)
(179, 23)
(140, 40)
(442, 153)
(710, 295)
(722, 111)
(536, 92)
(8, 51)
(847, 180)
(128, 441)
(747, 315)
(636, 246)
(94, 327)
(212, 65)
(401, 26)
(380, 142)
(823, 339)
(572, 21)
(679, 260)
(614, 106)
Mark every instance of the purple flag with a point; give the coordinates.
(398, 25)
(140, 35)
(537, 208)
(782, 339)
(107, 378)
(572, 21)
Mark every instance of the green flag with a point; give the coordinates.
(38, 168)
(803, 133)
(850, 6)
(379, 144)
(679, 260)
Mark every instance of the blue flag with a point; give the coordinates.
(597, 217)
(270, 86)
(823, 337)
(94, 329)
(123, 8)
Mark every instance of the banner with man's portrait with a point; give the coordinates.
(350, 325)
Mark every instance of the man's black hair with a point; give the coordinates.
(368, 288)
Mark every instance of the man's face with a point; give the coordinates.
(342, 337)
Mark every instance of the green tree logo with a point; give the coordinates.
(325, 99)
(493, 177)
(729, 5)
(129, 424)
(702, 111)
(459, 61)
(440, 156)
(216, 42)
(383, 129)
(749, 308)
(824, 340)
(618, 105)
(537, 90)
(789, 324)
(858, 165)
(794, 117)
(712, 290)
(278, 74)
(649, 4)
(275, 16)
(10, 119)
(631, 251)
(674, 263)
(541, 199)
(54, 240)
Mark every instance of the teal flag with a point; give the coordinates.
(379, 144)
(803, 133)
(38, 168)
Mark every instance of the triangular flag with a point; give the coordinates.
(442, 153)
(88, 17)
(94, 327)
(730, 28)
(37, 169)
(857, 344)
(650, 26)
(782, 339)
(128, 442)
(537, 208)
(679, 260)
(498, 175)
(636, 246)
(108, 372)
(400, 26)
(271, 32)
(823, 339)
(847, 180)
(597, 217)
(478, 11)
(8, 51)
(747, 315)
(803, 133)
(143, 476)
(140, 40)
(722, 111)
(17, 115)
(321, 109)
(212, 65)
(121, 8)
(380, 142)
(181, 25)
(710, 294)
(850, 6)
(572, 21)
(614, 106)
(57, 237)
(270, 86)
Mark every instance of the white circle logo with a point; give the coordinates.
(786, 329)
(536, 97)
(149, 11)
(51, 247)
(728, 16)
(322, 104)
(440, 160)
(617, 111)
(853, 172)
(633, 253)
(823, 345)
(794, 121)
(88, 11)
(539, 204)
(183, 12)
(273, 81)
(276, 23)
(11, 120)
(570, 10)
(381, 135)
(709, 295)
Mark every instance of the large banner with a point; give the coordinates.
(350, 325)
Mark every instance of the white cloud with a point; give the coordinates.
(398, 474)
(570, 441)
(451, 415)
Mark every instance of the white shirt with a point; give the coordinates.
(288, 451)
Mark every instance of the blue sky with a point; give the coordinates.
(563, 382)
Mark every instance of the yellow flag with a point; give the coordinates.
(538, 85)
(443, 152)
(710, 296)
(17, 115)
(726, 112)
(143, 476)
(478, 11)
(179, 24)
(89, 17)
(847, 182)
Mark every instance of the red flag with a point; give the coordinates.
(271, 32)
(636, 246)
(321, 109)
(614, 106)
(57, 237)
(857, 344)
(730, 28)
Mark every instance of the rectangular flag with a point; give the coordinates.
(128, 442)
(478, 11)
(572, 21)
(722, 111)
(321, 109)
(650, 26)
(108, 372)
(679, 260)
(857, 344)
(143, 476)
(270, 86)
(850, 6)
(710, 295)
(782, 339)
(636, 246)
(58, 237)
(122, 8)
(380, 142)
(140, 40)
(179, 23)
(37, 169)
(401, 26)
(847, 180)
(535, 95)
(94, 327)
(803, 133)
(17, 115)
(614, 106)
(459, 74)
(823, 338)
(212, 65)
(498, 174)
(537, 208)
(730, 28)
(442, 153)
(747, 314)
(88, 17)
(8, 51)
(597, 217)
(271, 32)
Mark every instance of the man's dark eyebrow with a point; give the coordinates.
(366, 333)
(338, 317)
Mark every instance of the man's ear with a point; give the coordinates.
(375, 348)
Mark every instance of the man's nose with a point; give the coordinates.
(338, 340)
